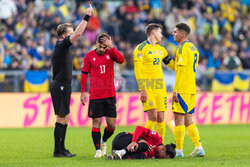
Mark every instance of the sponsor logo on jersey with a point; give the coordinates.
(61, 88)
(153, 132)
(138, 55)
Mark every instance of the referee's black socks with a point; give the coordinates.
(107, 133)
(63, 137)
(96, 136)
(58, 136)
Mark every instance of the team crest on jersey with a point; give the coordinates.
(94, 59)
(180, 59)
(138, 55)
(160, 52)
(150, 103)
(153, 132)
(107, 56)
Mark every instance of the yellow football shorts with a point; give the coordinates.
(186, 104)
(157, 98)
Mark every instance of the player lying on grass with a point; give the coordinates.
(143, 143)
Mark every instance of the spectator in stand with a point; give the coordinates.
(130, 7)
(136, 36)
(232, 62)
(213, 60)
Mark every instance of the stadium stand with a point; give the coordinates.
(220, 32)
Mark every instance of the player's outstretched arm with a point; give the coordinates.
(81, 27)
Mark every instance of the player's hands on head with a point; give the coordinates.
(83, 98)
(108, 42)
(89, 10)
(175, 97)
(144, 96)
(132, 147)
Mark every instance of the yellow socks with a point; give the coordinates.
(160, 128)
(194, 134)
(150, 125)
(179, 134)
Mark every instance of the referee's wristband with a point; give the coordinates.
(86, 17)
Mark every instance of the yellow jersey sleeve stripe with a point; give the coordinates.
(141, 46)
(180, 48)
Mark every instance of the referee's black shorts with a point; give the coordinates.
(122, 140)
(102, 107)
(60, 94)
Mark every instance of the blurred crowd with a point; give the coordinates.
(220, 30)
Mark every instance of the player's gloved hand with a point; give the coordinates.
(83, 98)
(144, 96)
(89, 10)
(132, 147)
(175, 97)
(108, 42)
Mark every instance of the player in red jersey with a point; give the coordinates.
(99, 64)
(143, 143)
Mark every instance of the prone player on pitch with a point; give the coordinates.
(143, 143)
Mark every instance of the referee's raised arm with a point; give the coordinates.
(81, 27)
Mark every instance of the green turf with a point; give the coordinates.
(225, 145)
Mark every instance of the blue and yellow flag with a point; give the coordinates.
(223, 82)
(36, 81)
(241, 82)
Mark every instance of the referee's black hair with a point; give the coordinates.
(170, 150)
(62, 29)
(183, 27)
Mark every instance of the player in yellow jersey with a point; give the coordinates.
(148, 57)
(186, 62)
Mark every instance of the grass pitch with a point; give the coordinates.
(225, 145)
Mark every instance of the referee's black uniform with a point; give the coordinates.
(62, 75)
(61, 91)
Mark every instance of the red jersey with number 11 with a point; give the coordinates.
(101, 72)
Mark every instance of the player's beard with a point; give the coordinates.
(100, 52)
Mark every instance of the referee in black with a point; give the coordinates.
(62, 75)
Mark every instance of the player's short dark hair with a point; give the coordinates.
(152, 26)
(101, 36)
(170, 150)
(183, 27)
(62, 29)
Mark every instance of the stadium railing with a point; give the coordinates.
(13, 81)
